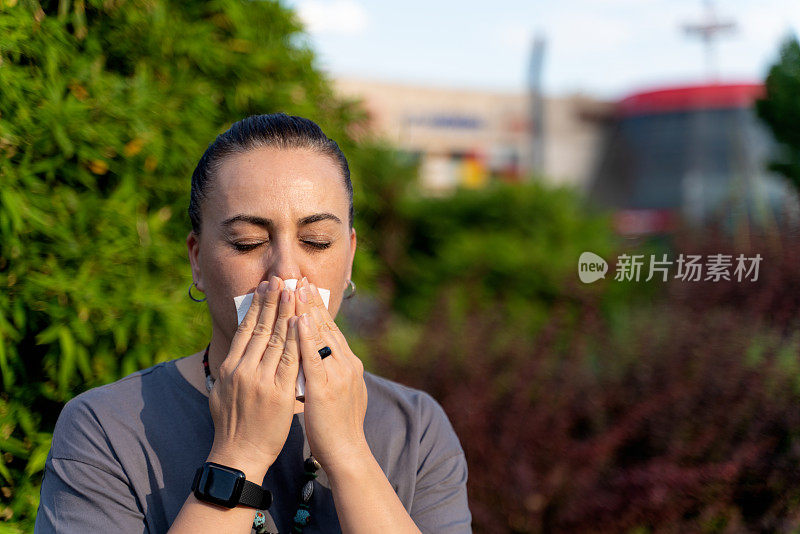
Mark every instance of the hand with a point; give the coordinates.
(336, 395)
(252, 402)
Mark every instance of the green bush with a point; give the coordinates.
(780, 110)
(512, 244)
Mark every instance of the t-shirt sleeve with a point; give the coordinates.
(84, 488)
(440, 495)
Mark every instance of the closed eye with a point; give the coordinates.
(317, 245)
(244, 247)
(313, 245)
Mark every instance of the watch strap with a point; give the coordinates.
(255, 496)
(252, 494)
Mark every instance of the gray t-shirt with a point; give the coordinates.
(124, 456)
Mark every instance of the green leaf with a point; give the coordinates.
(5, 368)
(37, 458)
(66, 367)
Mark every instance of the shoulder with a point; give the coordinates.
(123, 395)
(88, 421)
(401, 408)
(390, 395)
(400, 394)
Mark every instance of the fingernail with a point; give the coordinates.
(262, 288)
(303, 294)
(274, 283)
(306, 319)
(285, 295)
(304, 282)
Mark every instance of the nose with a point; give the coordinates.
(284, 260)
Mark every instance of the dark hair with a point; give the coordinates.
(276, 130)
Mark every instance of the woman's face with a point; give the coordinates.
(272, 212)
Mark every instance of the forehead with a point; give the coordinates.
(271, 182)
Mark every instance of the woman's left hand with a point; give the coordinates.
(335, 392)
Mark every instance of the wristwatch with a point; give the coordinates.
(226, 486)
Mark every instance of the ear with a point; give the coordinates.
(353, 242)
(193, 245)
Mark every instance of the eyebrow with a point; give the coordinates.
(267, 223)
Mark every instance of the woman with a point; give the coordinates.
(169, 448)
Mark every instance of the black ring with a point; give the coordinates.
(324, 352)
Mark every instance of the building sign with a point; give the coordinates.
(446, 121)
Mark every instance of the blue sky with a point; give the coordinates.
(605, 48)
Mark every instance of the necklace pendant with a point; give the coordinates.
(209, 383)
(311, 464)
(308, 491)
(302, 517)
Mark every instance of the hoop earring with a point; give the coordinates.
(352, 286)
(193, 284)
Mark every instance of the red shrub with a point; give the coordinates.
(684, 422)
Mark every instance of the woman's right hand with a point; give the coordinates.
(252, 402)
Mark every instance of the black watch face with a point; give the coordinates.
(220, 485)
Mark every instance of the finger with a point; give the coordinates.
(327, 336)
(310, 343)
(289, 364)
(320, 311)
(277, 340)
(330, 332)
(262, 330)
(303, 297)
(244, 331)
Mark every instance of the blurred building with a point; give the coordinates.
(692, 153)
(468, 137)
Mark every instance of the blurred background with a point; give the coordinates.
(490, 146)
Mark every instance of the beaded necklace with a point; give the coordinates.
(302, 515)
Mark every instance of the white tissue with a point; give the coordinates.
(243, 303)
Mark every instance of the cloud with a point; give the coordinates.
(333, 17)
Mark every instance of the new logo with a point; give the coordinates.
(591, 267)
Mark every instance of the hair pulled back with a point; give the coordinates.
(276, 130)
